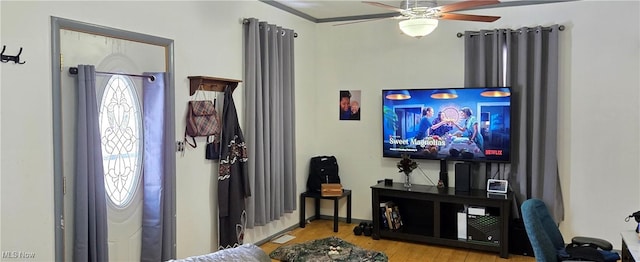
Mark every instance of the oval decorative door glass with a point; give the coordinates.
(121, 136)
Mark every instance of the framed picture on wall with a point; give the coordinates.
(349, 105)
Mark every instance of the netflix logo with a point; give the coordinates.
(493, 152)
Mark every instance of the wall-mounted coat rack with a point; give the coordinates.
(6, 58)
(211, 83)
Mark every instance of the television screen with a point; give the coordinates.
(466, 124)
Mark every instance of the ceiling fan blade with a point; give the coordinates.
(366, 20)
(464, 17)
(519, 3)
(385, 6)
(466, 5)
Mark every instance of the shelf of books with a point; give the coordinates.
(406, 216)
(440, 216)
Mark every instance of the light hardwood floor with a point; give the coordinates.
(396, 250)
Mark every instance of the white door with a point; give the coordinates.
(123, 178)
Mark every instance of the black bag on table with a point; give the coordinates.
(322, 170)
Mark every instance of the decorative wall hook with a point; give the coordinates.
(6, 58)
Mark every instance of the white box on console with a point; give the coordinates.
(478, 211)
(462, 225)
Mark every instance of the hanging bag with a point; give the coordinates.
(202, 120)
(212, 152)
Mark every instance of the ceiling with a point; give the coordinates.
(320, 11)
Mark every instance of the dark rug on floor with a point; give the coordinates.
(327, 249)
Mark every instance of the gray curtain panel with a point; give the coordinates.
(270, 115)
(531, 70)
(158, 170)
(90, 203)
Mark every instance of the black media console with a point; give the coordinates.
(430, 215)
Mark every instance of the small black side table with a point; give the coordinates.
(317, 196)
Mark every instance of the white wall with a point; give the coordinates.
(208, 41)
(598, 112)
(598, 165)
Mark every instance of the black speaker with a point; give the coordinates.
(444, 176)
(463, 177)
(519, 243)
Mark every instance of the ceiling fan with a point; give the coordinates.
(420, 18)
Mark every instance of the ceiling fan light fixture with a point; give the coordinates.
(418, 27)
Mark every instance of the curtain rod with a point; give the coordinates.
(74, 71)
(246, 21)
(561, 28)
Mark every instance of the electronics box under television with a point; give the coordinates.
(483, 228)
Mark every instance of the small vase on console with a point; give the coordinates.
(406, 166)
(407, 180)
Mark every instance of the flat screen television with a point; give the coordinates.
(465, 124)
